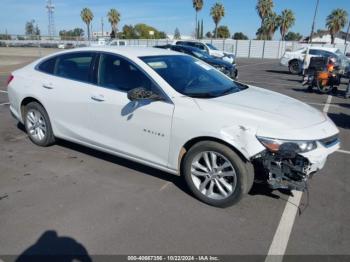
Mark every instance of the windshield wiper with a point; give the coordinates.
(200, 95)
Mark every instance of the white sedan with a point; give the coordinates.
(174, 113)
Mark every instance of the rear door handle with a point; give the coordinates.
(98, 98)
(47, 86)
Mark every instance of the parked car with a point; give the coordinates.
(65, 46)
(294, 60)
(223, 66)
(210, 49)
(175, 113)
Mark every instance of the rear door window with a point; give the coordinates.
(75, 66)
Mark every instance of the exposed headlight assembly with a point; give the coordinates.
(274, 145)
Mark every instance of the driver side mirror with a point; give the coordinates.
(141, 93)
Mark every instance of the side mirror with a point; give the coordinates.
(141, 93)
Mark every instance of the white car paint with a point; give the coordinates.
(301, 53)
(120, 127)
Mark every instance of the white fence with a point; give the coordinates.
(241, 48)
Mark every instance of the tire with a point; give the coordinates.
(206, 185)
(294, 67)
(37, 124)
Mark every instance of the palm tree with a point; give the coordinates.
(336, 22)
(264, 8)
(114, 19)
(87, 16)
(286, 20)
(197, 5)
(217, 12)
(270, 26)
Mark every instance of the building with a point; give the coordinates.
(324, 37)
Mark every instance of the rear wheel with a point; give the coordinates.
(216, 175)
(294, 67)
(37, 125)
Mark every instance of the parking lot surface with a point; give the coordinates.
(113, 206)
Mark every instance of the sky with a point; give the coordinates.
(165, 15)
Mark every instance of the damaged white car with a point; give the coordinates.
(174, 113)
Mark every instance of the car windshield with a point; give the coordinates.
(192, 77)
(211, 47)
(200, 54)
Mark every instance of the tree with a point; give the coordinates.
(209, 35)
(87, 16)
(268, 28)
(128, 32)
(202, 30)
(114, 18)
(177, 34)
(223, 32)
(217, 12)
(240, 36)
(286, 20)
(264, 8)
(291, 36)
(336, 22)
(29, 28)
(142, 31)
(198, 6)
(71, 34)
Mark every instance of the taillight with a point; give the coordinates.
(9, 79)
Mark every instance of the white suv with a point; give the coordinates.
(294, 60)
(175, 113)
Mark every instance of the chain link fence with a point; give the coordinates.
(241, 48)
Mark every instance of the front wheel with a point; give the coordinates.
(294, 67)
(216, 175)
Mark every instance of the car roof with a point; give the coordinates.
(127, 51)
(330, 49)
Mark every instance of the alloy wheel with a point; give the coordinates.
(213, 175)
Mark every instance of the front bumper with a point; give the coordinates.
(318, 157)
(291, 170)
(284, 61)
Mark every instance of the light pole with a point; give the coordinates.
(347, 34)
(313, 22)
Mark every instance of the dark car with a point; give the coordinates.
(225, 67)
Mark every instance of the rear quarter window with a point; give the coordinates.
(47, 66)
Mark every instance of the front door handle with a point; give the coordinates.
(98, 98)
(48, 86)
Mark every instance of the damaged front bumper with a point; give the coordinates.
(288, 169)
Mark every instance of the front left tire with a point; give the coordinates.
(37, 124)
(216, 174)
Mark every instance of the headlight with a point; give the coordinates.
(274, 145)
(220, 68)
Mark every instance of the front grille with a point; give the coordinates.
(330, 141)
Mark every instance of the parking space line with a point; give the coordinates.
(4, 104)
(280, 240)
(343, 151)
(165, 186)
(2, 91)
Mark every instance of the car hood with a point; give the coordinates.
(218, 62)
(260, 108)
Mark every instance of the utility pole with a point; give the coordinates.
(102, 24)
(314, 21)
(347, 34)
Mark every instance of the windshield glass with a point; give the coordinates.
(211, 47)
(200, 54)
(192, 77)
